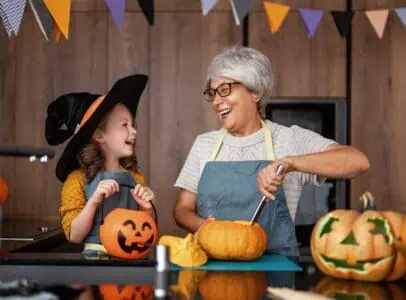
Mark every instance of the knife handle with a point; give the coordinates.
(262, 203)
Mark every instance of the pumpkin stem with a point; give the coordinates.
(368, 200)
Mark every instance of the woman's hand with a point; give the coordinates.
(267, 180)
(143, 196)
(208, 220)
(106, 188)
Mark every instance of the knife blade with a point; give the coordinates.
(262, 203)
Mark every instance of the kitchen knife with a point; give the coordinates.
(262, 203)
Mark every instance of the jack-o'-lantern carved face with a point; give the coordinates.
(126, 292)
(128, 233)
(130, 238)
(348, 245)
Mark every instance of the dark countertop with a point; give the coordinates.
(29, 235)
(66, 270)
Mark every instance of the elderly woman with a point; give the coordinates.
(229, 170)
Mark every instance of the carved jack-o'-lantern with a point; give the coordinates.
(349, 289)
(347, 244)
(128, 234)
(126, 292)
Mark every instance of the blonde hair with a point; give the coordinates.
(91, 157)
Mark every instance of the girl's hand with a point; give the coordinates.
(143, 195)
(106, 188)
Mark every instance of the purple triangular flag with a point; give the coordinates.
(117, 10)
(401, 12)
(12, 13)
(311, 18)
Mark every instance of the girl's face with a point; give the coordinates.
(237, 108)
(117, 139)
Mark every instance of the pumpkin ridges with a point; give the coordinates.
(396, 221)
(375, 243)
(232, 240)
(330, 243)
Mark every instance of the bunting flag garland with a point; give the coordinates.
(207, 6)
(60, 11)
(53, 16)
(241, 8)
(12, 13)
(343, 20)
(276, 14)
(147, 7)
(311, 18)
(401, 12)
(378, 19)
(43, 18)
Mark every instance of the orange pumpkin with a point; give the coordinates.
(349, 245)
(233, 285)
(232, 240)
(349, 289)
(126, 292)
(4, 190)
(129, 234)
(400, 244)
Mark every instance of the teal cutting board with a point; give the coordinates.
(264, 263)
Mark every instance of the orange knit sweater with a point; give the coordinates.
(73, 197)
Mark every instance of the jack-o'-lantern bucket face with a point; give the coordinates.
(126, 292)
(128, 233)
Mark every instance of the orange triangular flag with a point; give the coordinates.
(378, 19)
(60, 11)
(276, 13)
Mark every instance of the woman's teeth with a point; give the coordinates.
(224, 113)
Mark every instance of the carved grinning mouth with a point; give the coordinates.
(358, 266)
(134, 246)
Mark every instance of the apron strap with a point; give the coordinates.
(268, 143)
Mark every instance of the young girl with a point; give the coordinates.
(98, 167)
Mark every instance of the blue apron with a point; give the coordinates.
(228, 190)
(123, 199)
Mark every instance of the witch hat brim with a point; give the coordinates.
(126, 91)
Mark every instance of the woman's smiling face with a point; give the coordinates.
(237, 108)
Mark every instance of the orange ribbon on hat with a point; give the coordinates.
(89, 112)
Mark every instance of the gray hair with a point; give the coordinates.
(246, 65)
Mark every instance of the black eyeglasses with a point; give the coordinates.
(223, 90)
